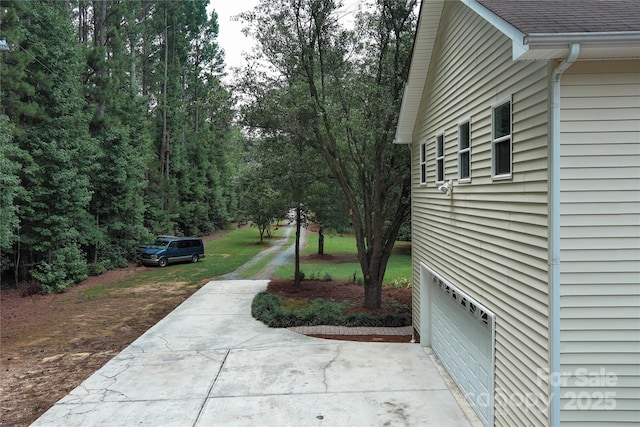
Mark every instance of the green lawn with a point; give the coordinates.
(399, 266)
(236, 247)
(222, 256)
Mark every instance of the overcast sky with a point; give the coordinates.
(230, 35)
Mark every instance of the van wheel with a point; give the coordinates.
(195, 258)
(162, 262)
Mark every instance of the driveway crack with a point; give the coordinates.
(324, 370)
(213, 383)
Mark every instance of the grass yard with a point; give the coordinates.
(222, 255)
(340, 261)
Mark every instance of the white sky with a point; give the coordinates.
(230, 35)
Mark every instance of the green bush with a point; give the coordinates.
(384, 321)
(401, 283)
(114, 256)
(264, 304)
(266, 307)
(96, 268)
(323, 312)
(276, 313)
(317, 275)
(67, 266)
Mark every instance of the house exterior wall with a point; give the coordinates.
(600, 244)
(490, 238)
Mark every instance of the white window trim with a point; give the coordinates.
(442, 157)
(460, 151)
(422, 163)
(494, 140)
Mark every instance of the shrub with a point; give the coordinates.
(96, 268)
(358, 280)
(405, 232)
(401, 283)
(264, 304)
(67, 267)
(386, 320)
(266, 307)
(318, 276)
(276, 313)
(32, 287)
(323, 312)
(114, 256)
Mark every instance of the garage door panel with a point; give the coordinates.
(462, 338)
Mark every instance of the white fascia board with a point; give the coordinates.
(601, 38)
(426, 31)
(603, 45)
(402, 137)
(518, 46)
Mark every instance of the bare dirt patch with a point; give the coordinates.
(51, 343)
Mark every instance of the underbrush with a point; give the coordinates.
(284, 313)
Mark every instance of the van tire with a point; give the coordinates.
(195, 258)
(162, 262)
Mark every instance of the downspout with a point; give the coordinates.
(554, 214)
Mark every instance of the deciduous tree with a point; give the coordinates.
(345, 91)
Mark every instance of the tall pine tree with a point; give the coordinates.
(45, 103)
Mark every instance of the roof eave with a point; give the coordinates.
(525, 47)
(609, 45)
(424, 42)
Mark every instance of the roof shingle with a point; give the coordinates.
(568, 16)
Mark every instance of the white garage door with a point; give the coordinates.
(462, 337)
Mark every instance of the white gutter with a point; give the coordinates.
(598, 38)
(554, 219)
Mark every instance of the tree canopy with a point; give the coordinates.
(338, 91)
(114, 126)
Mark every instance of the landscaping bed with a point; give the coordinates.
(332, 302)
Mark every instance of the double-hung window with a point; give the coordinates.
(440, 157)
(501, 143)
(464, 151)
(423, 163)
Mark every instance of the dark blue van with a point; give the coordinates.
(170, 249)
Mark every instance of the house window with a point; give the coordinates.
(440, 158)
(423, 163)
(464, 151)
(501, 147)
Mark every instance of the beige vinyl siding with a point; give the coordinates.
(600, 243)
(490, 238)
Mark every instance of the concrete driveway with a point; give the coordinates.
(209, 363)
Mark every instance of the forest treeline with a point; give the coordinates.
(114, 127)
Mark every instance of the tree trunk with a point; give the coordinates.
(374, 268)
(372, 293)
(100, 39)
(165, 150)
(320, 241)
(297, 277)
